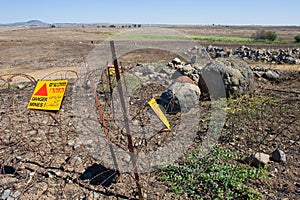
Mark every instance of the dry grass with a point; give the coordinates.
(284, 67)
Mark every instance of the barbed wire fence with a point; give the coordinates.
(42, 156)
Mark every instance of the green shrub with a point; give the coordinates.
(297, 38)
(271, 35)
(214, 176)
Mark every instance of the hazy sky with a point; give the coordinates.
(237, 12)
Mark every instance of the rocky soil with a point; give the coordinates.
(42, 155)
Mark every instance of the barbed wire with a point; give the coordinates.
(42, 156)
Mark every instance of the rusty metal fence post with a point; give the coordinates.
(127, 128)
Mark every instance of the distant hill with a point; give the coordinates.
(32, 23)
(81, 24)
(38, 23)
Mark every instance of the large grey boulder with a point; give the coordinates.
(188, 95)
(224, 77)
(180, 97)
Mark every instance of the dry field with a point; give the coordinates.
(26, 50)
(41, 156)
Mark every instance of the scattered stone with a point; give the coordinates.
(21, 86)
(292, 141)
(136, 122)
(5, 194)
(96, 195)
(260, 69)
(271, 75)
(258, 159)
(278, 156)
(77, 145)
(176, 61)
(16, 194)
(71, 142)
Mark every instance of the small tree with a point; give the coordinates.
(297, 38)
(271, 35)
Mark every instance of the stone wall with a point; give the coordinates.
(278, 56)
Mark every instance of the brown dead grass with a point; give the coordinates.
(284, 67)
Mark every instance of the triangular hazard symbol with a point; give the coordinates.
(42, 91)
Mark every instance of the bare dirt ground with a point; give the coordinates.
(27, 50)
(41, 156)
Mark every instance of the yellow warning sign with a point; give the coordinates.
(110, 70)
(48, 95)
(155, 107)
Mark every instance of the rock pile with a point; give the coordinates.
(181, 94)
(225, 72)
(279, 56)
(192, 71)
(233, 74)
(216, 52)
(269, 74)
